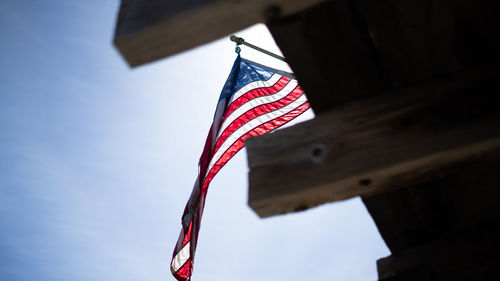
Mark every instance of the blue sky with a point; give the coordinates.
(97, 161)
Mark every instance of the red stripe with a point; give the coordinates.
(255, 93)
(255, 112)
(257, 131)
(187, 236)
(184, 272)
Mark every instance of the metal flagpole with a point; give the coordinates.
(240, 41)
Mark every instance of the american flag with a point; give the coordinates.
(255, 100)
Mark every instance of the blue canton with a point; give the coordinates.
(242, 73)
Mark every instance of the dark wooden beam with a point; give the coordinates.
(330, 51)
(419, 40)
(344, 50)
(148, 30)
(461, 196)
(376, 144)
(458, 255)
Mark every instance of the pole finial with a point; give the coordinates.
(236, 39)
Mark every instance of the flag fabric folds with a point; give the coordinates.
(255, 100)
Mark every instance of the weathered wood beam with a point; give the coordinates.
(331, 53)
(418, 40)
(343, 50)
(462, 196)
(458, 255)
(148, 30)
(376, 144)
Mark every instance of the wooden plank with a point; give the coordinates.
(374, 145)
(461, 196)
(149, 30)
(464, 254)
(330, 52)
(418, 40)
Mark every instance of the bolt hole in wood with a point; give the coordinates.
(365, 182)
(318, 153)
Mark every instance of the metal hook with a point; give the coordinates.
(237, 49)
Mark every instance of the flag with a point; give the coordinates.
(255, 100)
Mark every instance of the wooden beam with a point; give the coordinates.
(462, 196)
(330, 52)
(458, 255)
(376, 144)
(343, 50)
(418, 40)
(148, 30)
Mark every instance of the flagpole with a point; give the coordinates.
(241, 41)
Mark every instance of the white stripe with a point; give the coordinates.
(256, 102)
(181, 257)
(256, 84)
(253, 124)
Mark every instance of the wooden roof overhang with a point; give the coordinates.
(405, 96)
